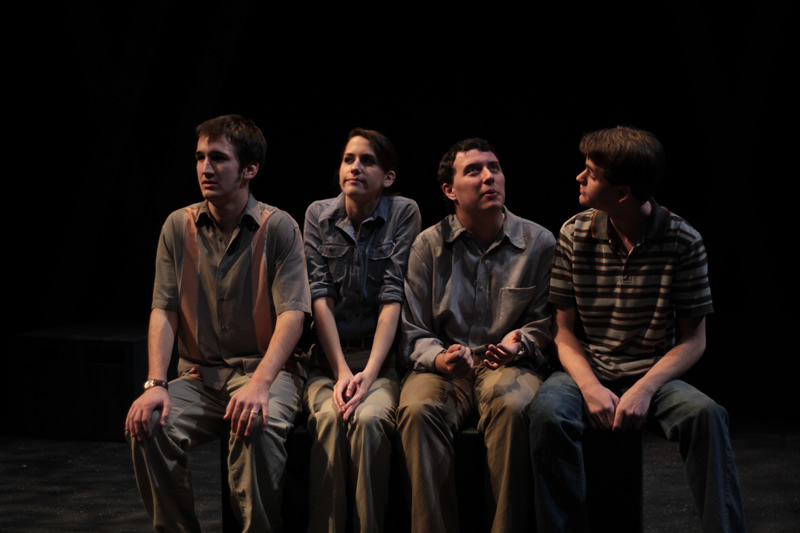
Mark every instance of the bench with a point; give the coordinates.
(613, 471)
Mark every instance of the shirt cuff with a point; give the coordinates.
(424, 356)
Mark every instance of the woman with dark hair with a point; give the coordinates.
(357, 247)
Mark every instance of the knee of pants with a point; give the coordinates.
(372, 420)
(156, 429)
(548, 407)
(510, 410)
(551, 419)
(417, 413)
(324, 422)
(706, 413)
(155, 418)
(155, 425)
(166, 439)
(270, 442)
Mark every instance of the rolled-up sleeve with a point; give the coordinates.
(536, 332)
(407, 224)
(319, 276)
(419, 344)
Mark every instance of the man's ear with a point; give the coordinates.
(447, 189)
(623, 193)
(250, 171)
(388, 179)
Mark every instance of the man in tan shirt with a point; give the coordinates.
(231, 285)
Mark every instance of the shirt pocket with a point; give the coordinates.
(336, 257)
(513, 303)
(378, 258)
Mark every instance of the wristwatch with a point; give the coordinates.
(521, 352)
(150, 383)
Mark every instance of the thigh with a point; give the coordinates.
(382, 397)
(318, 394)
(508, 387)
(195, 416)
(677, 403)
(428, 393)
(285, 395)
(559, 400)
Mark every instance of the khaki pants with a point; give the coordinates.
(433, 409)
(255, 464)
(350, 461)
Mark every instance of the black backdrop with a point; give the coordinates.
(106, 100)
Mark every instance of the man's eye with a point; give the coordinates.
(348, 159)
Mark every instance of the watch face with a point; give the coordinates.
(148, 384)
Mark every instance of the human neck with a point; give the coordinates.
(358, 212)
(484, 226)
(228, 213)
(630, 222)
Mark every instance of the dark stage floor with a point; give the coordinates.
(54, 485)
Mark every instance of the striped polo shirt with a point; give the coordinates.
(627, 302)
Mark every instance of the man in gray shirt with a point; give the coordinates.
(474, 324)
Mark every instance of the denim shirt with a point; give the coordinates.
(360, 274)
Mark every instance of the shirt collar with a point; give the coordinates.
(657, 223)
(512, 228)
(251, 211)
(337, 211)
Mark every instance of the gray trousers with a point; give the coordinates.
(350, 461)
(255, 464)
(433, 409)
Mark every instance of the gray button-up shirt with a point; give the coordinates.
(458, 293)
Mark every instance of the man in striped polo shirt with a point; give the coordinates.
(630, 293)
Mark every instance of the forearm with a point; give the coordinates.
(160, 339)
(572, 357)
(570, 350)
(388, 317)
(328, 334)
(288, 327)
(679, 359)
